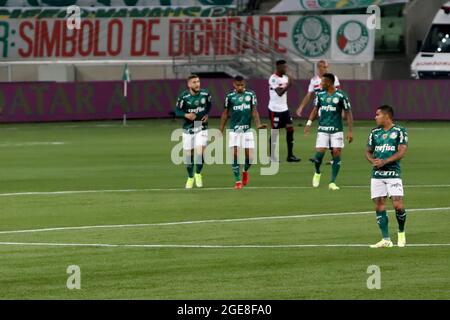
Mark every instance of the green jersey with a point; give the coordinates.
(200, 104)
(384, 144)
(330, 110)
(240, 106)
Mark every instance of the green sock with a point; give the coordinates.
(236, 169)
(383, 222)
(335, 168)
(318, 161)
(199, 164)
(189, 161)
(247, 164)
(401, 219)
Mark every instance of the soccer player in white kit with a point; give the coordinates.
(280, 117)
(314, 85)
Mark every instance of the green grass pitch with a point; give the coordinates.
(108, 156)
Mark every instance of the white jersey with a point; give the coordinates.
(314, 84)
(277, 103)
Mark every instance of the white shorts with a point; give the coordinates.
(241, 140)
(386, 187)
(194, 140)
(327, 140)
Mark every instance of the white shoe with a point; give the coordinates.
(332, 186)
(198, 180)
(401, 242)
(383, 244)
(189, 183)
(316, 180)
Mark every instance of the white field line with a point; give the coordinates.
(204, 246)
(70, 192)
(318, 215)
(31, 144)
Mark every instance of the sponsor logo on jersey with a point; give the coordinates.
(311, 36)
(241, 107)
(241, 99)
(384, 136)
(385, 173)
(328, 108)
(196, 110)
(241, 128)
(331, 128)
(385, 147)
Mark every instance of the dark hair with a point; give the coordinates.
(192, 76)
(280, 62)
(387, 110)
(329, 76)
(239, 78)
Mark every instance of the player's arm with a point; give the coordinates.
(369, 154)
(370, 149)
(225, 115)
(349, 117)
(282, 90)
(255, 116)
(304, 103)
(306, 99)
(312, 115)
(379, 163)
(180, 112)
(208, 108)
(224, 119)
(311, 118)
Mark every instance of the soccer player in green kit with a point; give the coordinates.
(387, 144)
(240, 107)
(329, 104)
(194, 105)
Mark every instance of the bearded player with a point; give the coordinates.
(194, 105)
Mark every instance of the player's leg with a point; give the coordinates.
(274, 120)
(395, 191)
(322, 143)
(249, 145)
(335, 167)
(288, 124)
(201, 140)
(379, 193)
(330, 162)
(337, 143)
(236, 168)
(188, 150)
(234, 144)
